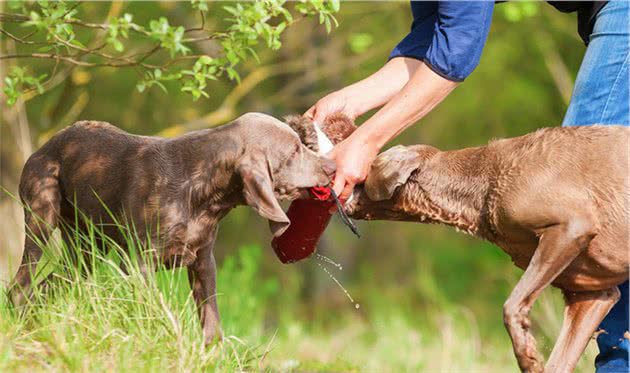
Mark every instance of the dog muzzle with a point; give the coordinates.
(309, 217)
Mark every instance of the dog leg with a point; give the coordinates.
(33, 248)
(202, 277)
(558, 246)
(77, 257)
(39, 227)
(583, 312)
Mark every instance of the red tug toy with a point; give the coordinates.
(310, 217)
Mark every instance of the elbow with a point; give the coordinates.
(454, 68)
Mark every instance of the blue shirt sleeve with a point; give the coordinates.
(448, 36)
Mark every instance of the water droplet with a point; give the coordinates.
(356, 305)
(329, 261)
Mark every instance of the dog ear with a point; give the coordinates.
(390, 170)
(305, 128)
(258, 192)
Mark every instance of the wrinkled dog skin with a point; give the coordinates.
(557, 201)
(178, 187)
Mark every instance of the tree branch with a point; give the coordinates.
(23, 39)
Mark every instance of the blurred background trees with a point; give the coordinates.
(428, 274)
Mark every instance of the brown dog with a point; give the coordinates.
(557, 201)
(178, 187)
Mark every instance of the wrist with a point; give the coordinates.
(352, 102)
(368, 141)
(376, 132)
(360, 97)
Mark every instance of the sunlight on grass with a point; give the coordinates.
(105, 319)
(108, 319)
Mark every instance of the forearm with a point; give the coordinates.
(418, 97)
(378, 88)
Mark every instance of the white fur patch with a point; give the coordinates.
(325, 146)
(323, 142)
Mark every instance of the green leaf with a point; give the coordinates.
(327, 24)
(281, 27)
(159, 84)
(232, 74)
(118, 46)
(45, 48)
(335, 5)
(231, 10)
(78, 44)
(200, 5)
(205, 60)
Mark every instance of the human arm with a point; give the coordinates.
(354, 155)
(449, 54)
(366, 94)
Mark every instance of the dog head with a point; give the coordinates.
(392, 170)
(275, 164)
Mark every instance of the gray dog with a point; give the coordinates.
(178, 187)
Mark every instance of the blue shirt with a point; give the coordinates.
(447, 35)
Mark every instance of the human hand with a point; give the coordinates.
(354, 158)
(335, 102)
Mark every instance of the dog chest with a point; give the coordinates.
(185, 238)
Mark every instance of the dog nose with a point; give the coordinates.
(329, 166)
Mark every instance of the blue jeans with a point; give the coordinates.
(602, 96)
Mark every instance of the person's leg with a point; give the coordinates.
(601, 91)
(612, 342)
(601, 96)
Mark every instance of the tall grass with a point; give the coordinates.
(105, 319)
(109, 320)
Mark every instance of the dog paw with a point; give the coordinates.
(215, 338)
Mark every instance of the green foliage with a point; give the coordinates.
(205, 68)
(431, 299)
(244, 291)
(323, 8)
(199, 5)
(171, 38)
(102, 318)
(53, 18)
(19, 80)
(248, 24)
(360, 42)
(107, 320)
(117, 28)
(517, 11)
(156, 77)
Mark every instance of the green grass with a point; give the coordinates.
(110, 321)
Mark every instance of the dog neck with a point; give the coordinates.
(450, 188)
(204, 164)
